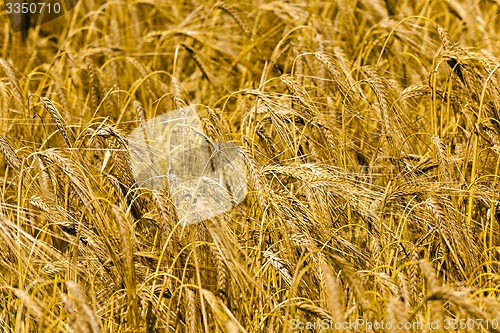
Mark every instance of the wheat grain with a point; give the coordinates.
(10, 155)
(235, 16)
(65, 131)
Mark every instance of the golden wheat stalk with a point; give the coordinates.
(9, 153)
(66, 132)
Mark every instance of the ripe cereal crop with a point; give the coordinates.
(349, 152)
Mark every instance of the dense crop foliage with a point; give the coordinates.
(371, 139)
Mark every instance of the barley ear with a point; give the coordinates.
(65, 131)
(10, 155)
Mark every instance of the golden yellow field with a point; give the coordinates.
(370, 135)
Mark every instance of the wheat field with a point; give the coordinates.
(370, 134)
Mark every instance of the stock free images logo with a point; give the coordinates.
(26, 14)
(205, 178)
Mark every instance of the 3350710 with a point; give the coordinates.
(33, 8)
(26, 14)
